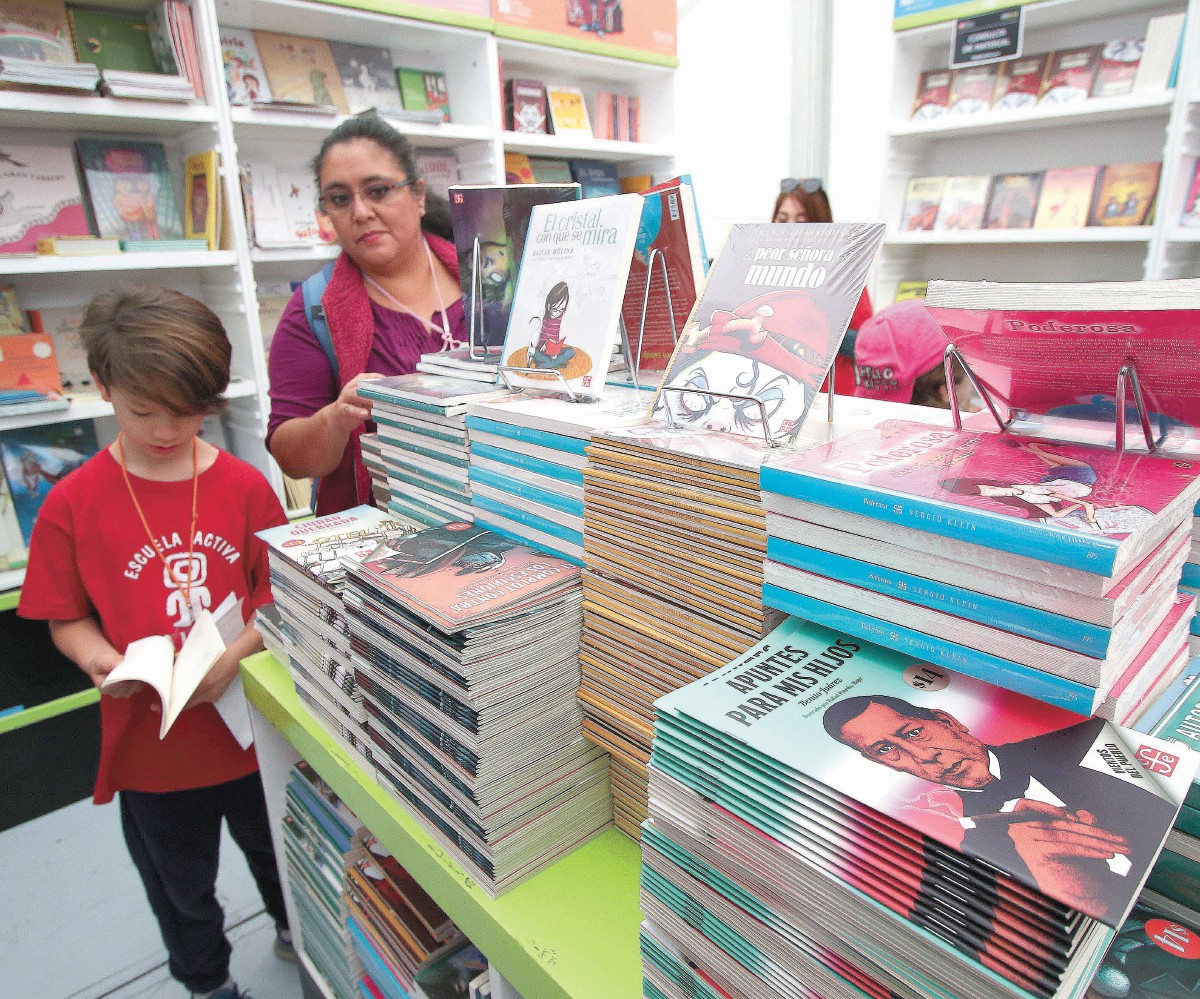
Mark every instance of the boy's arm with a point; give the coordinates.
(84, 644)
(221, 675)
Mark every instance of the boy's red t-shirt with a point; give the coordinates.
(90, 555)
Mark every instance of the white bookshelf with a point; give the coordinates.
(1139, 127)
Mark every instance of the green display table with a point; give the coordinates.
(570, 931)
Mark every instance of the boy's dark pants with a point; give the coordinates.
(174, 838)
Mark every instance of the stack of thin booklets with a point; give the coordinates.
(527, 458)
(1190, 583)
(423, 442)
(372, 456)
(484, 366)
(307, 577)
(1049, 567)
(398, 931)
(465, 646)
(828, 817)
(318, 844)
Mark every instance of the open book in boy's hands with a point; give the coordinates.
(153, 660)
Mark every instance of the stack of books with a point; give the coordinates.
(318, 843)
(466, 648)
(1049, 567)
(805, 834)
(459, 363)
(372, 456)
(527, 458)
(423, 442)
(308, 574)
(149, 86)
(1189, 584)
(41, 73)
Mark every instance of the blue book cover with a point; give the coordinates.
(543, 438)
(595, 178)
(37, 457)
(530, 520)
(556, 501)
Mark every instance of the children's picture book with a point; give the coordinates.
(35, 458)
(566, 309)
(1118, 67)
(13, 550)
(300, 70)
(423, 90)
(36, 29)
(368, 76)
(525, 106)
(665, 276)
(1070, 75)
(1190, 216)
(490, 225)
(568, 110)
(1125, 193)
(933, 95)
(1020, 82)
(1013, 201)
(39, 196)
(962, 204)
(62, 324)
(921, 199)
(823, 711)
(113, 39)
(245, 78)
(766, 327)
(284, 205)
(518, 169)
(174, 676)
(1066, 198)
(202, 198)
(1092, 330)
(971, 88)
(27, 363)
(130, 193)
(597, 178)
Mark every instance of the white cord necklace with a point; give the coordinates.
(448, 341)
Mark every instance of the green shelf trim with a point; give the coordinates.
(570, 932)
(418, 12)
(51, 709)
(968, 8)
(9, 599)
(592, 47)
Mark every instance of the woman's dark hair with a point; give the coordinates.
(815, 205)
(369, 125)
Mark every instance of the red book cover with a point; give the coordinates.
(971, 89)
(1070, 75)
(1013, 201)
(526, 106)
(933, 94)
(1119, 63)
(1020, 82)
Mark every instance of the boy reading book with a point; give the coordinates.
(141, 540)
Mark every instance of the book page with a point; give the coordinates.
(201, 649)
(148, 660)
(232, 705)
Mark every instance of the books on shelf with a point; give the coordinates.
(36, 31)
(173, 37)
(300, 70)
(553, 171)
(78, 246)
(1190, 216)
(424, 90)
(962, 203)
(1125, 193)
(438, 168)
(1020, 82)
(596, 178)
(1013, 201)
(36, 457)
(922, 196)
(1119, 61)
(38, 73)
(567, 306)
(518, 169)
(147, 86)
(368, 77)
(971, 89)
(1065, 200)
(283, 205)
(42, 196)
(130, 192)
(202, 198)
(1070, 74)
(1160, 55)
(933, 95)
(27, 363)
(62, 324)
(525, 106)
(12, 320)
(245, 78)
(568, 110)
(113, 39)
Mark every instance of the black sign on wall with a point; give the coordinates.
(988, 37)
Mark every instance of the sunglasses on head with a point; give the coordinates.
(809, 185)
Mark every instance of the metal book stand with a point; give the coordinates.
(475, 318)
(634, 363)
(778, 440)
(1127, 377)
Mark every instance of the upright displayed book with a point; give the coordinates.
(971, 89)
(300, 70)
(130, 193)
(1065, 201)
(567, 306)
(35, 458)
(283, 205)
(1020, 82)
(1013, 201)
(596, 178)
(766, 327)
(490, 226)
(202, 198)
(40, 196)
(245, 77)
(1190, 215)
(933, 94)
(1159, 61)
(368, 76)
(38, 30)
(424, 90)
(525, 106)
(438, 168)
(962, 204)
(1070, 75)
(1117, 71)
(62, 324)
(27, 364)
(921, 199)
(518, 169)
(1125, 193)
(568, 110)
(113, 39)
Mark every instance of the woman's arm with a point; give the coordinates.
(313, 445)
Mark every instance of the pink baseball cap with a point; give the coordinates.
(894, 348)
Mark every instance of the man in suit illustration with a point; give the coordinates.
(1083, 836)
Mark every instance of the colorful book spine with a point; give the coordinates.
(544, 438)
(525, 462)
(564, 504)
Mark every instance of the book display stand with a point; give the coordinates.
(657, 259)
(475, 318)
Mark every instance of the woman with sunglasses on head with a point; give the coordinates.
(393, 296)
(805, 200)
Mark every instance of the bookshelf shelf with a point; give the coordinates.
(990, 237)
(51, 264)
(289, 254)
(571, 931)
(1047, 14)
(83, 112)
(1182, 235)
(582, 147)
(265, 125)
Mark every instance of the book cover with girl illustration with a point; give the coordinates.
(566, 311)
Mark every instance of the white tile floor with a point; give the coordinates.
(75, 923)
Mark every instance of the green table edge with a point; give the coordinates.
(51, 709)
(552, 39)
(570, 931)
(9, 599)
(418, 12)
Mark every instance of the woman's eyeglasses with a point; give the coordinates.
(809, 185)
(335, 202)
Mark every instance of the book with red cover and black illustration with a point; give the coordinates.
(1013, 201)
(668, 229)
(1022, 340)
(933, 94)
(1125, 193)
(1070, 75)
(971, 89)
(766, 327)
(525, 106)
(498, 218)
(1020, 82)
(1119, 61)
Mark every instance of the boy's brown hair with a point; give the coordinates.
(160, 345)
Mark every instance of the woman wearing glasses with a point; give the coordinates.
(805, 200)
(393, 296)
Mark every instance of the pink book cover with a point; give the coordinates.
(1062, 365)
(459, 570)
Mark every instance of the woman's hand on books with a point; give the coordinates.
(350, 409)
